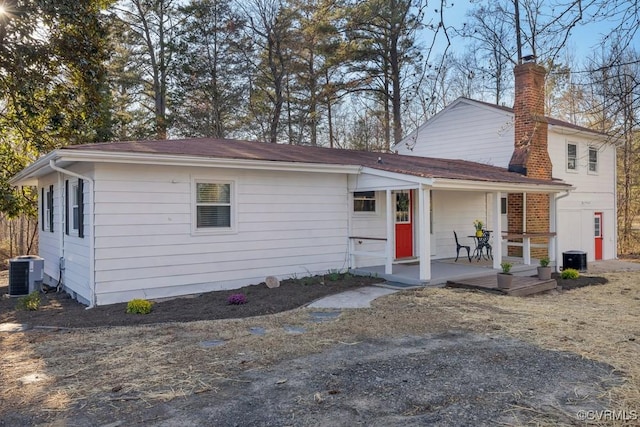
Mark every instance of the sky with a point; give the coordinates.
(584, 38)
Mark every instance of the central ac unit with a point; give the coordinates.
(26, 273)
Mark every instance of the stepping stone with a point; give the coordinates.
(258, 330)
(323, 316)
(294, 329)
(211, 343)
(14, 327)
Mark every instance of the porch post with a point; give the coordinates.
(424, 221)
(350, 243)
(388, 265)
(497, 230)
(526, 242)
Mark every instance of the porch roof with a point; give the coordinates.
(251, 153)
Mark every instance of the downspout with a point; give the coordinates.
(92, 258)
(556, 221)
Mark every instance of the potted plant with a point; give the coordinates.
(544, 271)
(479, 226)
(505, 277)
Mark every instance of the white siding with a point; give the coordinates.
(456, 211)
(452, 210)
(57, 245)
(465, 131)
(367, 224)
(288, 224)
(484, 134)
(595, 192)
(48, 242)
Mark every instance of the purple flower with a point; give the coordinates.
(237, 299)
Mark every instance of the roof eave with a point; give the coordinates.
(28, 176)
(511, 187)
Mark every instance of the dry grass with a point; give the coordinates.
(91, 368)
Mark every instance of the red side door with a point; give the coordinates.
(404, 223)
(597, 232)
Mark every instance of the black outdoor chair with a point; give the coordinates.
(459, 246)
(484, 245)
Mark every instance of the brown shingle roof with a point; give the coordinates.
(262, 151)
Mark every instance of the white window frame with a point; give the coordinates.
(46, 215)
(49, 203)
(365, 213)
(74, 209)
(194, 207)
(575, 159)
(589, 163)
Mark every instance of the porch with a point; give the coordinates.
(445, 270)
(466, 275)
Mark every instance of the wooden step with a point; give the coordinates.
(521, 285)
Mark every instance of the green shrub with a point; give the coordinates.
(139, 306)
(506, 267)
(334, 275)
(30, 302)
(544, 262)
(570, 273)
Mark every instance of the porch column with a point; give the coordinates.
(424, 221)
(526, 242)
(497, 230)
(388, 265)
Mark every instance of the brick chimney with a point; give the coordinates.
(530, 154)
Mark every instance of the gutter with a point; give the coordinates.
(92, 245)
(557, 249)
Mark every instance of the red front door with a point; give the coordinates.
(597, 232)
(404, 224)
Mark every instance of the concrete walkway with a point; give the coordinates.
(358, 298)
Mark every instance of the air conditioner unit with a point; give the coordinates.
(26, 273)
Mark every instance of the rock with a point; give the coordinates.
(272, 282)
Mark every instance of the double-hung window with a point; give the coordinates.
(213, 205)
(572, 157)
(74, 207)
(593, 160)
(46, 206)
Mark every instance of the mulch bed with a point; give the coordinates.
(580, 282)
(58, 309)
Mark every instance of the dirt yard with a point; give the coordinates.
(431, 356)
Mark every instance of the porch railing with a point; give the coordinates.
(358, 240)
(527, 245)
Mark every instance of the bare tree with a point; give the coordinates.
(269, 28)
(385, 33)
(152, 28)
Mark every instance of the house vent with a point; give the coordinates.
(25, 274)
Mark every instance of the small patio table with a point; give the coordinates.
(482, 243)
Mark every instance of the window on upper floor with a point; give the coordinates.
(572, 157)
(364, 201)
(593, 160)
(213, 201)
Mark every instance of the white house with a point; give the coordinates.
(586, 159)
(153, 219)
